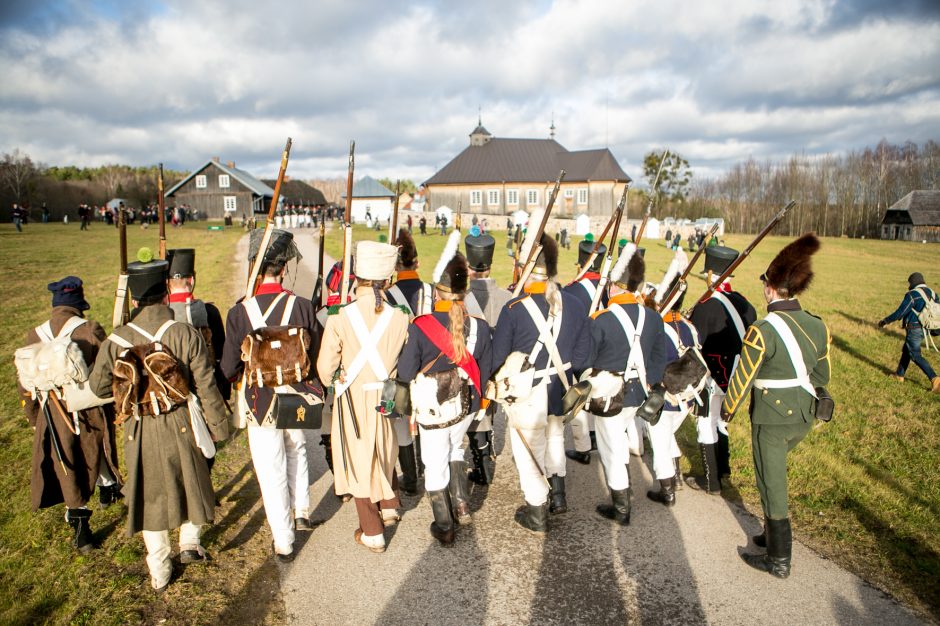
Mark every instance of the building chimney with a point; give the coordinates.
(215, 159)
(231, 164)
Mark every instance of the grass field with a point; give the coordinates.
(42, 579)
(865, 488)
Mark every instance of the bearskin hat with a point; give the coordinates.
(407, 252)
(791, 271)
(636, 272)
(547, 262)
(677, 303)
(450, 273)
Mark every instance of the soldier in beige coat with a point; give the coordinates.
(361, 344)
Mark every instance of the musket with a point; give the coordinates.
(121, 310)
(600, 240)
(161, 217)
(608, 261)
(347, 225)
(53, 435)
(459, 220)
(536, 248)
(681, 284)
(393, 220)
(649, 205)
(254, 276)
(318, 289)
(747, 251)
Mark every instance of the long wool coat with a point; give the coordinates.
(82, 454)
(167, 475)
(369, 465)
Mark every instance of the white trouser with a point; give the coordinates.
(440, 447)
(402, 428)
(613, 446)
(280, 461)
(105, 477)
(635, 428)
(158, 551)
(581, 427)
(663, 442)
(709, 426)
(534, 486)
(555, 459)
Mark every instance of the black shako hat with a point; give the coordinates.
(719, 258)
(69, 292)
(480, 248)
(147, 281)
(182, 262)
(586, 247)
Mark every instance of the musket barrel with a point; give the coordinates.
(269, 225)
(347, 224)
(161, 213)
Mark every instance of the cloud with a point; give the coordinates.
(179, 82)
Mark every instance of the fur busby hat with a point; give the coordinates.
(791, 271)
(586, 247)
(281, 247)
(69, 292)
(630, 270)
(182, 262)
(407, 251)
(450, 273)
(480, 248)
(546, 265)
(375, 261)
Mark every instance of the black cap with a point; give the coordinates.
(182, 262)
(480, 247)
(586, 247)
(719, 258)
(69, 292)
(147, 280)
(915, 279)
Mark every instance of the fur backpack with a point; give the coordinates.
(686, 377)
(147, 379)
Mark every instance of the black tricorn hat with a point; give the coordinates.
(454, 278)
(480, 249)
(719, 258)
(547, 262)
(791, 271)
(182, 262)
(586, 247)
(147, 281)
(407, 251)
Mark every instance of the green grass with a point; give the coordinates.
(865, 488)
(42, 579)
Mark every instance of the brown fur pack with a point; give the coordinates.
(407, 251)
(548, 257)
(147, 378)
(276, 355)
(791, 271)
(636, 272)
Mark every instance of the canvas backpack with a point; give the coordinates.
(929, 316)
(52, 362)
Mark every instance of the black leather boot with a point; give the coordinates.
(593, 441)
(409, 470)
(584, 458)
(709, 483)
(760, 540)
(722, 455)
(327, 442)
(666, 494)
(535, 518)
(678, 482)
(619, 510)
(83, 541)
(459, 488)
(481, 446)
(779, 548)
(109, 494)
(442, 528)
(556, 494)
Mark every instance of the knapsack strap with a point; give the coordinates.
(398, 297)
(732, 313)
(801, 378)
(368, 346)
(636, 366)
(156, 337)
(44, 330)
(547, 332)
(288, 309)
(440, 337)
(589, 287)
(255, 316)
(425, 300)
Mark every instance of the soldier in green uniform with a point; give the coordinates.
(784, 359)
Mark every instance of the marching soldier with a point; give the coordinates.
(484, 299)
(84, 441)
(627, 360)
(168, 483)
(909, 311)
(415, 296)
(359, 352)
(582, 426)
(721, 322)
(279, 456)
(446, 359)
(785, 359)
(549, 330)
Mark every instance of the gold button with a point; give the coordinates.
(765, 392)
(183, 429)
(777, 401)
(129, 438)
(789, 412)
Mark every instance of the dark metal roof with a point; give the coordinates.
(527, 160)
(923, 207)
(368, 187)
(299, 192)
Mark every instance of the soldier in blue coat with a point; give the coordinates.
(909, 314)
(535, 421)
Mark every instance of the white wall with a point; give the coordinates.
(379, 208)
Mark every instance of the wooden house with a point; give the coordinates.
(915, 217)
(219, 189)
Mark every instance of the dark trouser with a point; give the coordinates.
(771, 443)
(370, 513)
(18, 223)
(911, 352)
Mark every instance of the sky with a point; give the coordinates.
(178, 82)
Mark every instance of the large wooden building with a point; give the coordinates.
(915, 217)
(218, 189)
(497, 176)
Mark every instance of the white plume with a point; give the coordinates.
(621, 267)
(676, 267)
(535, 219)
(453, 242)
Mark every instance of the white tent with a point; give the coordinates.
(447, 212)
(520, 217)
(582, 224)
(652, 229)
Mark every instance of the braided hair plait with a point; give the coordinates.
(457, 317)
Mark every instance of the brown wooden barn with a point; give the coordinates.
(915, 217)
(218, 189)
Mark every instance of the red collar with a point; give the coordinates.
(591, 276)
(264, 288)
(181, 296)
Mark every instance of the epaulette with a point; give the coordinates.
(517, 300)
